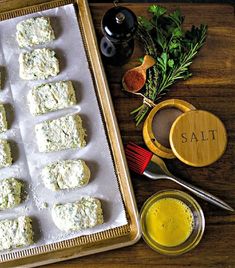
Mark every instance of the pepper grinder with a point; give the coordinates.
(118, 26)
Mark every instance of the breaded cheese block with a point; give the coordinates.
(10, 193)
(83, 214)
(51, 97)
(38, 64)
(59, 134)
(34, 31)
(16, 233)
(3, 120)
(5, 154)
(66, 174)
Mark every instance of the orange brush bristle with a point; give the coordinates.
(137, 157)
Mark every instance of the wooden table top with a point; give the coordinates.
(211, 88)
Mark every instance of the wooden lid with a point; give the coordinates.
(198, 138)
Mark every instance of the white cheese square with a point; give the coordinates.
(51, 97)
(66, 174)
(38, 64)
(76, 216)
(59, 134)
(16, 233)
(34, 31)
(3, 120)
(10, 193)
(5, 154)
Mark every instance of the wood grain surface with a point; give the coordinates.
(211, 88)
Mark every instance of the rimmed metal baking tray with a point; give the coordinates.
(114, 238)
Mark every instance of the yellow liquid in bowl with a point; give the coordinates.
(169, 222)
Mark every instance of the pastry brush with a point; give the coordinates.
(144, 162)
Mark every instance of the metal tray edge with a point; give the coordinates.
(108, 110)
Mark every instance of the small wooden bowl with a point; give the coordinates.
(141, 71)
(148, 135)
(197, 138)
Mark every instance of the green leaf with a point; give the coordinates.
(164, 57)
(187, 75)
(176, 17)
(177, 32)
(157, 10)
(174, 44)
(163, 37)
(171, 63)
(162, 61)
(161, 40)
(148, 26)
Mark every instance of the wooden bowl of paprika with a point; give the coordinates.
(134, 79)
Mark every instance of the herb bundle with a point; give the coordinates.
(173, 48)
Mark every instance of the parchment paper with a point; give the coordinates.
(28, 162)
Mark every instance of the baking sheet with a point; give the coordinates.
(28, 161)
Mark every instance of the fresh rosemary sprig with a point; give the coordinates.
(173, 48)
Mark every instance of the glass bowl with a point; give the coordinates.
(198, 226)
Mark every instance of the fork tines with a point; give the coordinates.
(137, 157)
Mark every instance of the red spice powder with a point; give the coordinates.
(134, 80)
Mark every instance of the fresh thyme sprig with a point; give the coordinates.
(174, 49)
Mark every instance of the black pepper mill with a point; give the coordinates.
(118, 26)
